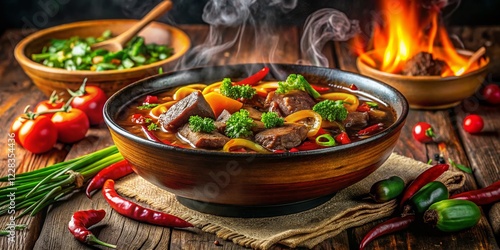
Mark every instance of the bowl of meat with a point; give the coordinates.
(255, 140)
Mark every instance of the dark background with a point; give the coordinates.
(40, 14)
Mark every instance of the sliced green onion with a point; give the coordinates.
(325, 140)
(372, 104)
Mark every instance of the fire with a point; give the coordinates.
(407, 31)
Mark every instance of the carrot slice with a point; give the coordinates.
(219, 102)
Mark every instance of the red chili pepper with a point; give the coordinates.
(353, 87)
(152, 136)
(320, 88)
(422, 179)
(386, 227)
(308, 145)
(293, 150)
(150, 99)
(255, 78)
(371, 130)
(343, 138)
(79, 223)
(115, 171)
(483, 196)
(137, 212)
(363, 107)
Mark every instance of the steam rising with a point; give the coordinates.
(321, 27)
(232, 20)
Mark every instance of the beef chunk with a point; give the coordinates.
(284, 137)
(253, 113)
(356, 120)
(294, 101)
(423, 64)
(220, 123)
(179, 113)
(212, 140)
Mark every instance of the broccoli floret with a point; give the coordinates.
(236, 91)
(296, 82)
(331, 110)
(272, 119)
(239, 124)
(198, 124)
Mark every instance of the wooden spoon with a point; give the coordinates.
(478, 54)
(117, 43)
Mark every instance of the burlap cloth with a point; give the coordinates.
(305, 229)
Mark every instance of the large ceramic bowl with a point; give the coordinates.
(430, 92)
(247, 184)
(48, 79)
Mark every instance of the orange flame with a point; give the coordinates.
(408, 31)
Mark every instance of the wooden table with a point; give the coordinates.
(48, 230)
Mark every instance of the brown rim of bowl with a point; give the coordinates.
(375, 71)
(110, 122)
(21, 46)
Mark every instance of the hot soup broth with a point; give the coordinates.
(263, 117)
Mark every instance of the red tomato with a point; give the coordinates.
(151, 99)
(71, 126)
(423, 132)
(491, 93)
(90, 99)
(473, 124)
(48, 105)
(37, 135)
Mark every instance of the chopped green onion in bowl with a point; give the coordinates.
(75, 54)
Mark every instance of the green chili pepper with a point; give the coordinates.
(388, 189)
(430, 193)
(452, 215)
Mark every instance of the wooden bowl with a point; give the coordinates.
(430, 92)
(248, 184)
(48, 79)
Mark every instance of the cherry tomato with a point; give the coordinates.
(491, 93)
(423, 132)
(71, 125)
(473, 124)
(52, 103)
(90, 99)
(36, 134)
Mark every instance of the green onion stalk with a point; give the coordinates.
(39, 188)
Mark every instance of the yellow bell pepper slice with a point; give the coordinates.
(183, 92)
(214, 87)
(351, 102)
(244, 143)
(160, 109)
(304, 114)
(268, 85)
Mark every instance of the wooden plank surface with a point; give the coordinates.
(49, 230)
(481, 152)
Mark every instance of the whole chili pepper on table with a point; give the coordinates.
(137, 212)
(425, 177)
(114, 171)
(392, 225)
(79, 223)
(483, 196)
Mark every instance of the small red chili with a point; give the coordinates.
(371, 130)
(422, 179)
(150, 99)
(308, 145)
(115, 171)
(255, 78)
(137, 212)
(79, 223)
(353, 87)
(364, 107)
(151, 136)
(387, 227)
(483, 196)
(320, 88)
(343, 138)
